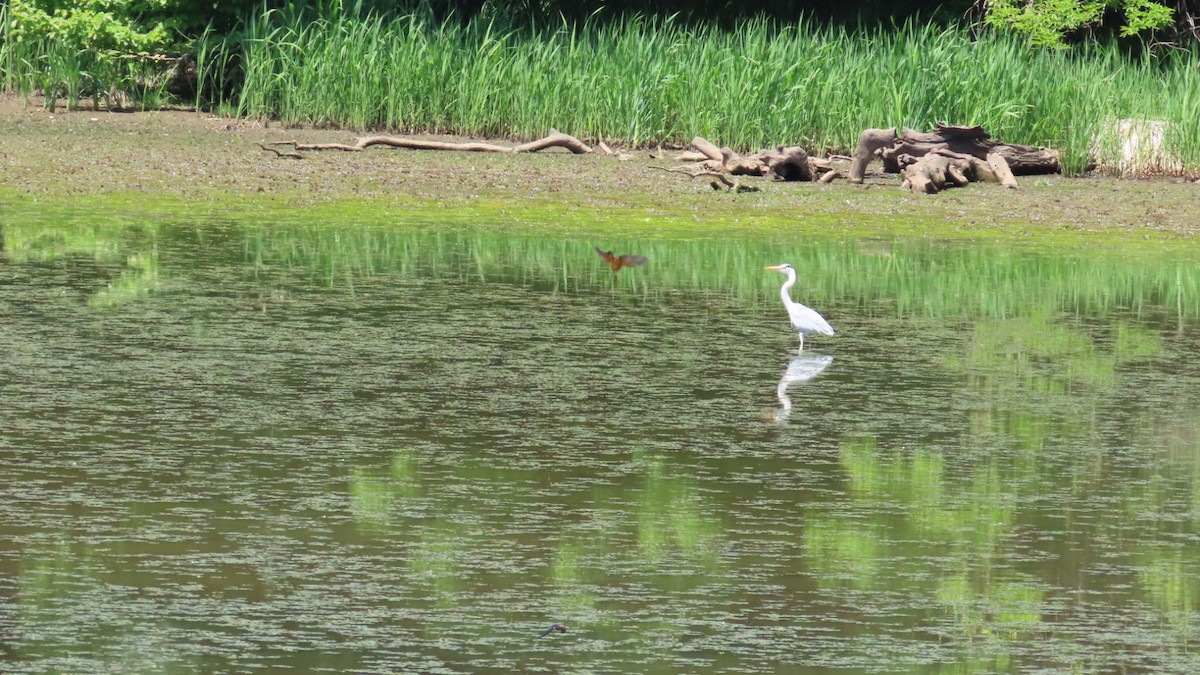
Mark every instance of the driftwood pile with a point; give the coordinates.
(949, 156)
(784, 163)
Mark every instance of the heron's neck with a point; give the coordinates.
(785, 291)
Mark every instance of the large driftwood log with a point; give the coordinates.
(887, 145)
(870, 142)
(555, 139)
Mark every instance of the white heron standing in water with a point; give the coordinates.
(805, 319)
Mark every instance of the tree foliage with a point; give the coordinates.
(1048, 22)
(87, 24)
(134, 26)
(156, 25)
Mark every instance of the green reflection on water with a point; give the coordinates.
(1172, 580)
(437, 562)
(972, 524)
(376, 495)
(1021, 477)
(671, 520)
(918, 279)
(72, 617)
(574, 595)
(910, 278)
(139, 278)
(55, 238)
(1041, 356)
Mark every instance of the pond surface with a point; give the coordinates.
(236, 447)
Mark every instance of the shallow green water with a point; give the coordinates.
(235, 447)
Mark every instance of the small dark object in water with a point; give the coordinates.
(616, 262)
(554, 628)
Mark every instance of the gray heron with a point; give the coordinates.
(805, 319)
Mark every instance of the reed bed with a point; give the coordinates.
(641, 82)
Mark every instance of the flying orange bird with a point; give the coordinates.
(616, 262)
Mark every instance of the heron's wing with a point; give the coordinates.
(807, 320)
(628, 260)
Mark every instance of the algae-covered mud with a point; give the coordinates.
(267, 437)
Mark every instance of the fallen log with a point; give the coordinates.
(978, 169)
(870, 142)
(555, 139)
(924, 174)
(746, 166)
(888, 146)
(296, 145)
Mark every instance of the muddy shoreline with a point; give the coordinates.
(187, 157)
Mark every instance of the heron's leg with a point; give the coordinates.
(801, 344)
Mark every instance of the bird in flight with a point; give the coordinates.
(616, 262)
(554, 628)
(804, 319)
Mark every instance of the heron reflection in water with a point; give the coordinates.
(801, 368)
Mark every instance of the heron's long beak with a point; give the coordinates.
(775, 268)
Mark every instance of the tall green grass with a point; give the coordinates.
(645, 81)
